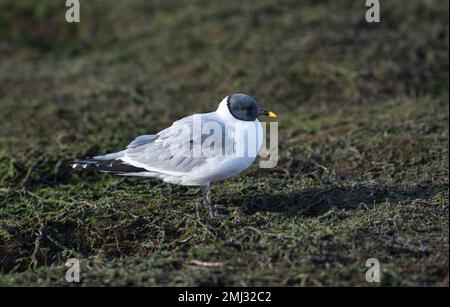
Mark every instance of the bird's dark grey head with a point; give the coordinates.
(244, 107)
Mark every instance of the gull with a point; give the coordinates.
(197, 150)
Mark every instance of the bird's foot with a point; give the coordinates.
(217, 212)
(214, 212)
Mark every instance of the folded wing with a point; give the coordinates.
(173, 150)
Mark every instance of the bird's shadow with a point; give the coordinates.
(318, 201)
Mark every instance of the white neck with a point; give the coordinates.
(223, 110)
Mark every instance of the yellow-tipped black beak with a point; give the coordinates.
(267, 113)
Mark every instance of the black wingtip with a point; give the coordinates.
(112, 166)
(85, 163)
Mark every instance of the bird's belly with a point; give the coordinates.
(218, 169)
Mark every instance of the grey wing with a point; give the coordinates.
(175, 150)
(142, 139)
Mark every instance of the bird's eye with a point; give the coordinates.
(242, 107)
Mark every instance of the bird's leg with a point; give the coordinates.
(203, 188)
(208, 196)
(207, 199)
(214, 211)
